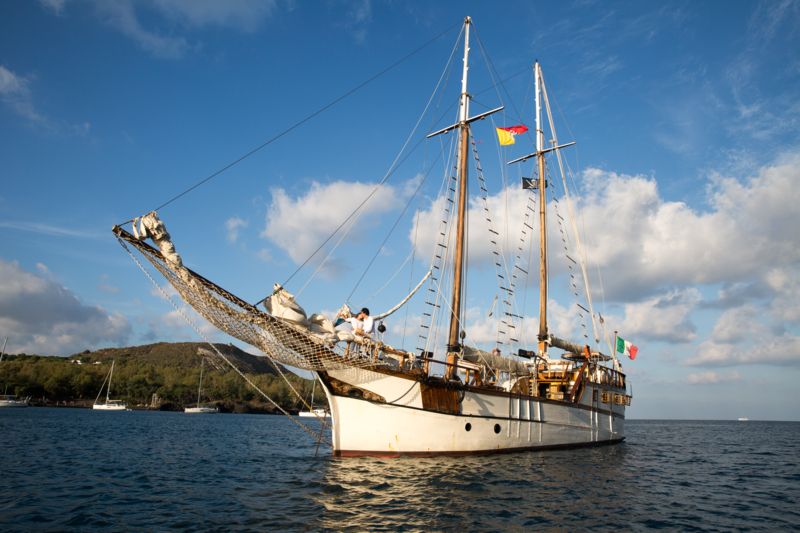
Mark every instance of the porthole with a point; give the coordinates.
(468, 426)
(497, 428)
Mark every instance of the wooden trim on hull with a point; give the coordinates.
(367, 453)
(374, 398)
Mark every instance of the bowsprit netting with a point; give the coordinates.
(279, 339)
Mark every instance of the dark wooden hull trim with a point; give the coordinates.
(491, 417)
(367, 453)
(501, 394)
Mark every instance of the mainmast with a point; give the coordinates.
(542, 215)
(453, 343)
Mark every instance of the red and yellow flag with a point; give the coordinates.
(506, 135)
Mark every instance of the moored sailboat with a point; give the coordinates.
(314, 412)
(108, 404)
(201, 409)
(438, 400)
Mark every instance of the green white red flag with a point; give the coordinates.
(627, 348)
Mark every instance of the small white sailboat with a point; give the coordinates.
(109, 404)
(201, 409)
(319, 412)
(10, 400)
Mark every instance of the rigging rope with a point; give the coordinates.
(306, 118)
(392, 168)
(391, 231)
(199, 332)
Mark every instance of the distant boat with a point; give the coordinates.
(316, 413)
(201, 409)
(109, 405)
(320, 412)
(743, 419)
(9, 400)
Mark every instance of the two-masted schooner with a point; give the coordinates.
(438, 400)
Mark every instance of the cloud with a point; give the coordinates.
(122, 16)
(736, 325)
(664, 317)
(54, 6)
(43, 317)
(359, 16)
(244, 15)
(162, 37)
(233, 225)
(650, 243)
(53, 231)
(779, 350)
(15, 93)
(710, 378)
(300, 225)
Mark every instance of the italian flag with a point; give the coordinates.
(626, 348)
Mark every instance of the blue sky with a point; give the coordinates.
(685, 113)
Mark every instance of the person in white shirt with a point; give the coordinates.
(362, 323)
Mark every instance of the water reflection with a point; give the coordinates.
(486, 492)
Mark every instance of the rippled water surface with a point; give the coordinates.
(70, 469)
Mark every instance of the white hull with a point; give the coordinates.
(13, 403)
(486, 423)
(316, 413)
(110, 407)
(201, 410)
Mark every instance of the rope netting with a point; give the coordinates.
(278, 339)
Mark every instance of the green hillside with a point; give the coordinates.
(161, 375)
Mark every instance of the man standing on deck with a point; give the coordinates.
(363, 324)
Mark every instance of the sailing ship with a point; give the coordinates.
(201, 409)
(444, 399)
(108, 404)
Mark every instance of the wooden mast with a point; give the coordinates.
(542, 216)
(453, 340)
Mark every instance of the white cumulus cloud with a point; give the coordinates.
(132, 19)
(299, 225)
(40, 316)
(233, 225)
(709, 378)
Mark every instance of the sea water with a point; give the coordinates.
(72, 469)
